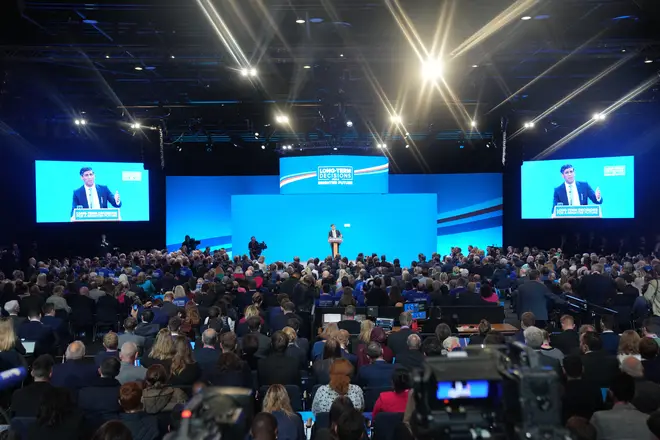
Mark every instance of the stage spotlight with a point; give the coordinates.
(76, 121)
(282, 119)
(107, 57)
(172, 56)
(349, 124)
(407, 146)
(599, 117)
(432, 69)
(474, 66)
(396, 119)
(80, 122)
(648, 61)
(528, 125)
(334, 148)
(135, 125)
(473, 123)
(525, 18)
(300, 21)
(263, 147)
(249, 71)
(138, 68)
(307, 66)
(256, 134)
(381, 146)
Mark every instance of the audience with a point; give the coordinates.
(623, 421)
(129, 371)
(340, 385)
(568, 341)
(609, 338)
(378, 372)
(143, 426)
(413, 357)
(289, 423)
(24, 401)
(647, 394)
(264, 427)
(74, 373)
(184, 370)
(581, 397)
(99, 399)
(161, 352)
(110, 344)
(58, 418)
(157, 396)
(394, 401)
(278, 368)
(628, 346)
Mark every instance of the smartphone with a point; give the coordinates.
(137, 362)
(135, 306)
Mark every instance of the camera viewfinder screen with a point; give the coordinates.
(471, 389)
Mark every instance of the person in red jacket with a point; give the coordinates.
(394, 401)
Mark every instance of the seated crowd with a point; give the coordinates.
(171, 324)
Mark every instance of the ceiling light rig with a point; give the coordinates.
(432, 69)
(249, 71)
(396, 119)
(528, 124)
(598, 117)
(282, 119)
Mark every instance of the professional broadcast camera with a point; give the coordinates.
(216, 413)
(498, 392)
(191, 243)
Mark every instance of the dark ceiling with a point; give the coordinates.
(63, 58)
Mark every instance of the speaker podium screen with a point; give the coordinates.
(334, 175)
(578, 188)
(80, 192)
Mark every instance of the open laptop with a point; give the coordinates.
(385, 323)
(29, 346)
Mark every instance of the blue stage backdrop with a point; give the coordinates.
(297, 226)
(543, 186)
(56, 182)
(333, 175)
(469, 208)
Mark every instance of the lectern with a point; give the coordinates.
(334, 243)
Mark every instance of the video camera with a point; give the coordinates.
(498, 392)
(216, 413)
(191, 244)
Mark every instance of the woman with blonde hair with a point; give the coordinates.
(365, 331)
(340, 385)
(10, 345)
(289, 423)
(161, 352)
(42, 281)
(184, 370)
(628, 345)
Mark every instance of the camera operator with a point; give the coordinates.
(190, 243)
(255, 248)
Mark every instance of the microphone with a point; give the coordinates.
(8, 378)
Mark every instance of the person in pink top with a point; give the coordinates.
(488, 294)
(394, 401)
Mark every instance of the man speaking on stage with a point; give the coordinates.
(91, 195)
(574, 193)
(334, 233)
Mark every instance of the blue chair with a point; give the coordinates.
(385, 425)
(371, 395)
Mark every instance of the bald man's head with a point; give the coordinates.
(632, 367)
(75, 350)
(210, 337)
(128, 352)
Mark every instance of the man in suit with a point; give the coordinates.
(83, 309)
(24, 401)
(647, 393)
(648, 349)
(207, 356)
(110, 344)
(254, 327)
(279, 321)
(74, 373)
(334, 233)
(377, 296)
(413, 356)
(169, 308)
(534, 296)
(12, 308)
(349, 323)
(568, 340)
(91, 195)
(398, 341)
(581, 398)
(609, 339)
(278, 368)
(128, 371)
(378, 373)
(599, 367)
(130, 324)
(623, 421)
(146, 327)
(597, 287)
(99, 398)
(574, 193)
(35, 330)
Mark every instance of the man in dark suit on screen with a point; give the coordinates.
(574, 193)
(91, 195)
(334, 233)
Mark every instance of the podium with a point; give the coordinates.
(96, 215)
(577, 211)
(334, 243)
